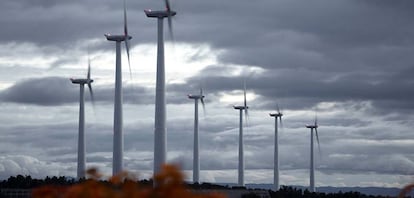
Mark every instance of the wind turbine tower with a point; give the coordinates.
(160, 142)
(277, 116)
(196, 158)
(241, 142)
(118, 142)
(312, 162)
(81, 136)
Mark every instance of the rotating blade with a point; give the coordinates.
(204, 105)
(170, 26)
(279, 116)
(167, 5)
(91, 92)
(89, 81)
(125, 21)
(92, 95)
(88, 76)
(317, 139)
(245, 96)
(129, 62)
(246, 111)
(280, 121)
(127, 39)
(202, 101)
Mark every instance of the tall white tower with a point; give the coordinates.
(118, 141)
(81, 169)
(160, 139)
(196, 158)
(276, 151)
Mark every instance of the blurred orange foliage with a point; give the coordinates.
(407, 189)
(169, 183)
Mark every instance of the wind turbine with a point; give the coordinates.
(196, 158)
(118, 143)
(81, 136)
(241, 142)
(277, 116)
(160, 142)
(312, 162)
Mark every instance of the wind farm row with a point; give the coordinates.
(160, 128)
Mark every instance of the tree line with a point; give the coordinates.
(27, 182)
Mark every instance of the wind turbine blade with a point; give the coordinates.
(92, 99)
(317, 139)
(204, 105)
(246, 112)
(89, 68)
(246, 115)
(126, 35)
(91, 92)
(244, 92)
(279, 115)
(125, 20)
(89, 81)
(170, 28)
(92, 96)
(245, 101)
(281, 123)
(127, 51)
(167, 5)
(202, 101)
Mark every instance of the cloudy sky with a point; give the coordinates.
(349, 61)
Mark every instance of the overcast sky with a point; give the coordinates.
(350, 61)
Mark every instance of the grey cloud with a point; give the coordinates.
(302, 88)
(27, 165)
(71, 21)
(57, 91)
(364, 163)
(98, 159)
(132, 94)
(45, 91)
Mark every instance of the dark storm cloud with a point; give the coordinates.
(63, 24)
(318, 38)
(266, 24)
(352, 51)
(351, 35)
(48, 138)
(57, 91)
(305, 88)
(41, 91)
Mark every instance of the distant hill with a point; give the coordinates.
(328, 189)
(364, 190)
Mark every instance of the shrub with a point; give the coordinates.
(169, 183)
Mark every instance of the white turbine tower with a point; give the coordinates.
(118, 143)
(312, 162)
(160, 142)
(196, 158)
(277, 116)
(81, 136)
(241, 142)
